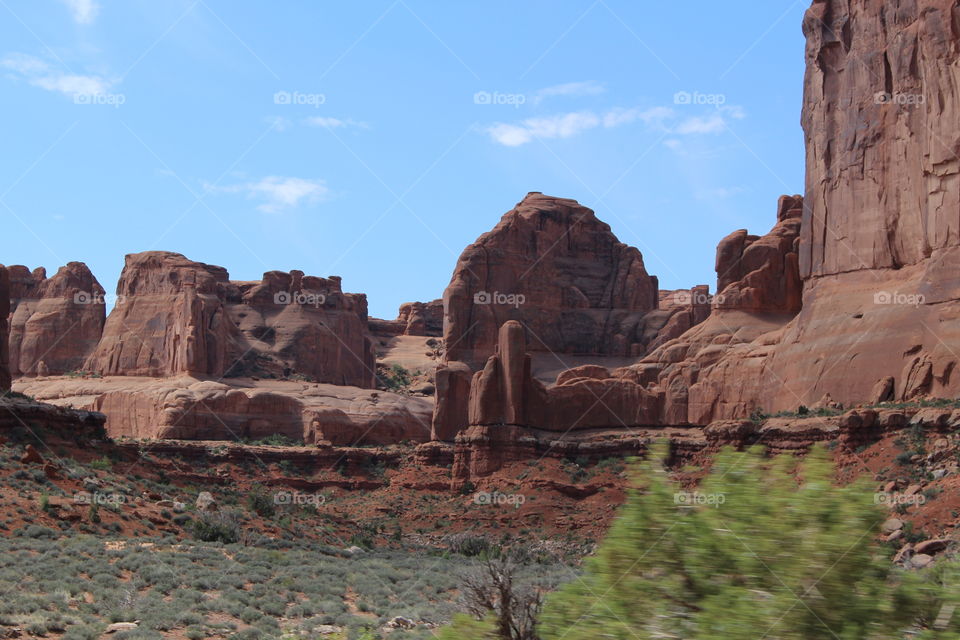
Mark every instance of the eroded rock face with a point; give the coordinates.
(175, 316)
(506, 393)
(552, 265)
(881, 113)
(422, 318)
(719, 369)
(186, 408)
(4, 312)
(294, 324)
(56, 322)
(169, 319)
(761, 274)
(413, 319)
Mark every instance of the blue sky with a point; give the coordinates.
(374, 140)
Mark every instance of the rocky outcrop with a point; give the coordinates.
(56, 322)
(717, 369)
(4, 313)
(294, 324)
(169, 319)
(234, 409)
(413, 319)
(422, 318)
(760, 274)
(175, 316)
(552, 265)
(506, 393)
(577, 292)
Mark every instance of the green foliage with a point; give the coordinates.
(102, 464)
(261, 502)
(466, 628)
(395, 378)
(217, 527)
(752, 553)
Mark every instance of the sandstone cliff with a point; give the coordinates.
(552, 265)
(4, 312)
(56, 322)
(175, 316)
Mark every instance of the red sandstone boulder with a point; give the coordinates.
(56, 322)
(553, 266)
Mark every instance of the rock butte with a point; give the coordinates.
(553, 330)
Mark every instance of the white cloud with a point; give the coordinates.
(618, 116)
(566, 125)
(702, 124)
(334, 123)
(84, 11)
(41, 74)
(563, 125)
(569, 89)
(279, 193)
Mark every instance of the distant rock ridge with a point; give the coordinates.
(413, 319)
(175, 316)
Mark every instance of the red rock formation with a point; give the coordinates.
(760, 273)
(506, 393)
(191, 409)
(421, 318)
(56, 322)
(304, 325)
(451, 413)
(4, 313)
(176, 316)
(881, 122)
(716, 370)
(556, 269)
(552, 265)
(169, 319)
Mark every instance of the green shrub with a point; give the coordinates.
(753, 553)
(217, 527)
